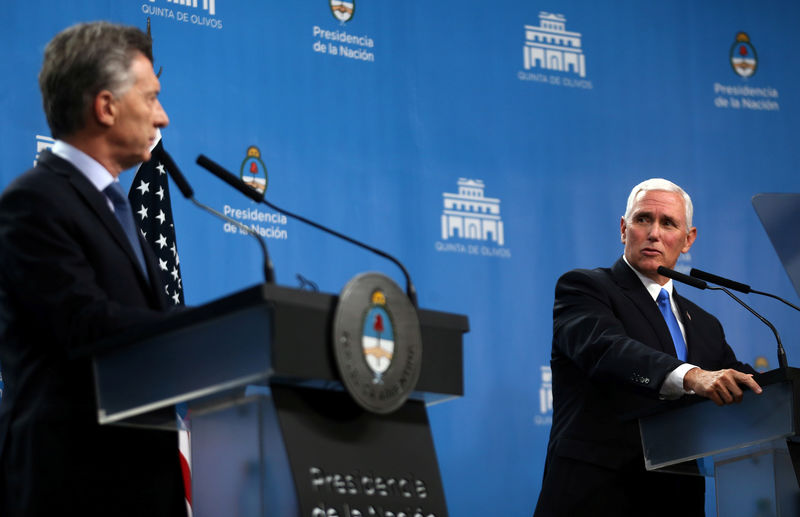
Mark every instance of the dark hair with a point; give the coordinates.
(80, 62)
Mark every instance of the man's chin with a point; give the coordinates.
(649, 268)
(142, 158)
(136, 161)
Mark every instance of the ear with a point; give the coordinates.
(622, 228)
(104, 108)
(690, 238)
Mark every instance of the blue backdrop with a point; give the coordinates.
(491, 147)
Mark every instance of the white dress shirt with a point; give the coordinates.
(88, 166)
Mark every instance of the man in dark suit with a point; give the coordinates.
(619, 346)
(72, 272)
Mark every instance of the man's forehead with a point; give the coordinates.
(664, 199)
(146, 79)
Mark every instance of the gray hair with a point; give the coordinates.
(80, 62)
(659, 184)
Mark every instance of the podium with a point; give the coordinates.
(272, 431)
(752, 449)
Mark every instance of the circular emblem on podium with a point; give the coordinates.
(377, 342)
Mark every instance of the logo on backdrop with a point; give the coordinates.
(201, 13)
(761, 364)
(743, 56)
(343, 10)
(471, 222)
(253, 171)
(545, 416)
(745, 95)
(377, 342)
(335, 41)
(550, 47)
(42, 143)
(268, 224)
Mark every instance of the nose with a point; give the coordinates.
(654, 232)
(161, 118)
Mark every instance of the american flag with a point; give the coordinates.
(150, 202)
(152, 207)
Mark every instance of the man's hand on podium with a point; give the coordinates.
(721, 386)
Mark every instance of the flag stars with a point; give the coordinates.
(155, 221)
(161, 241)
(144, 233)
(143, 187)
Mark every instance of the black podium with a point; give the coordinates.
(273, 432)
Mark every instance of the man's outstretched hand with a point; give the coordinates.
(721, 386)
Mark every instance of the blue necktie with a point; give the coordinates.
(122, 210)
(672, 323)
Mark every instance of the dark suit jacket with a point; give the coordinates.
(68, 276)
(611, 352)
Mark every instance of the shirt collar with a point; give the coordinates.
(651, 285)
(88, 166)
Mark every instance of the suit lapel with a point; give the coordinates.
(632, 287)
(96, 201)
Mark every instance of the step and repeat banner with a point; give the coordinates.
(490, 147)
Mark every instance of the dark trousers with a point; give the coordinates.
(573, 488)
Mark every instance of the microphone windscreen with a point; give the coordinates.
(220, 172)
(680, 277)
(177, 176)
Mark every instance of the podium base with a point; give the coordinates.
(762, 483)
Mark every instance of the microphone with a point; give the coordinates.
(700, 284)
(218, 171)
(235, 182)
(680, 277)
(736, 286)
(188, 193)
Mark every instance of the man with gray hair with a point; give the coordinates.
(622, 340)
(73, 270)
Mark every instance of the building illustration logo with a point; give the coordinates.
(546, 391)
(551, 47)
(253, 171)
(343, 10)
(206, 5)
(545, 414)
(202, 13)
(743, 56)
(42, 142)
(470, 215)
